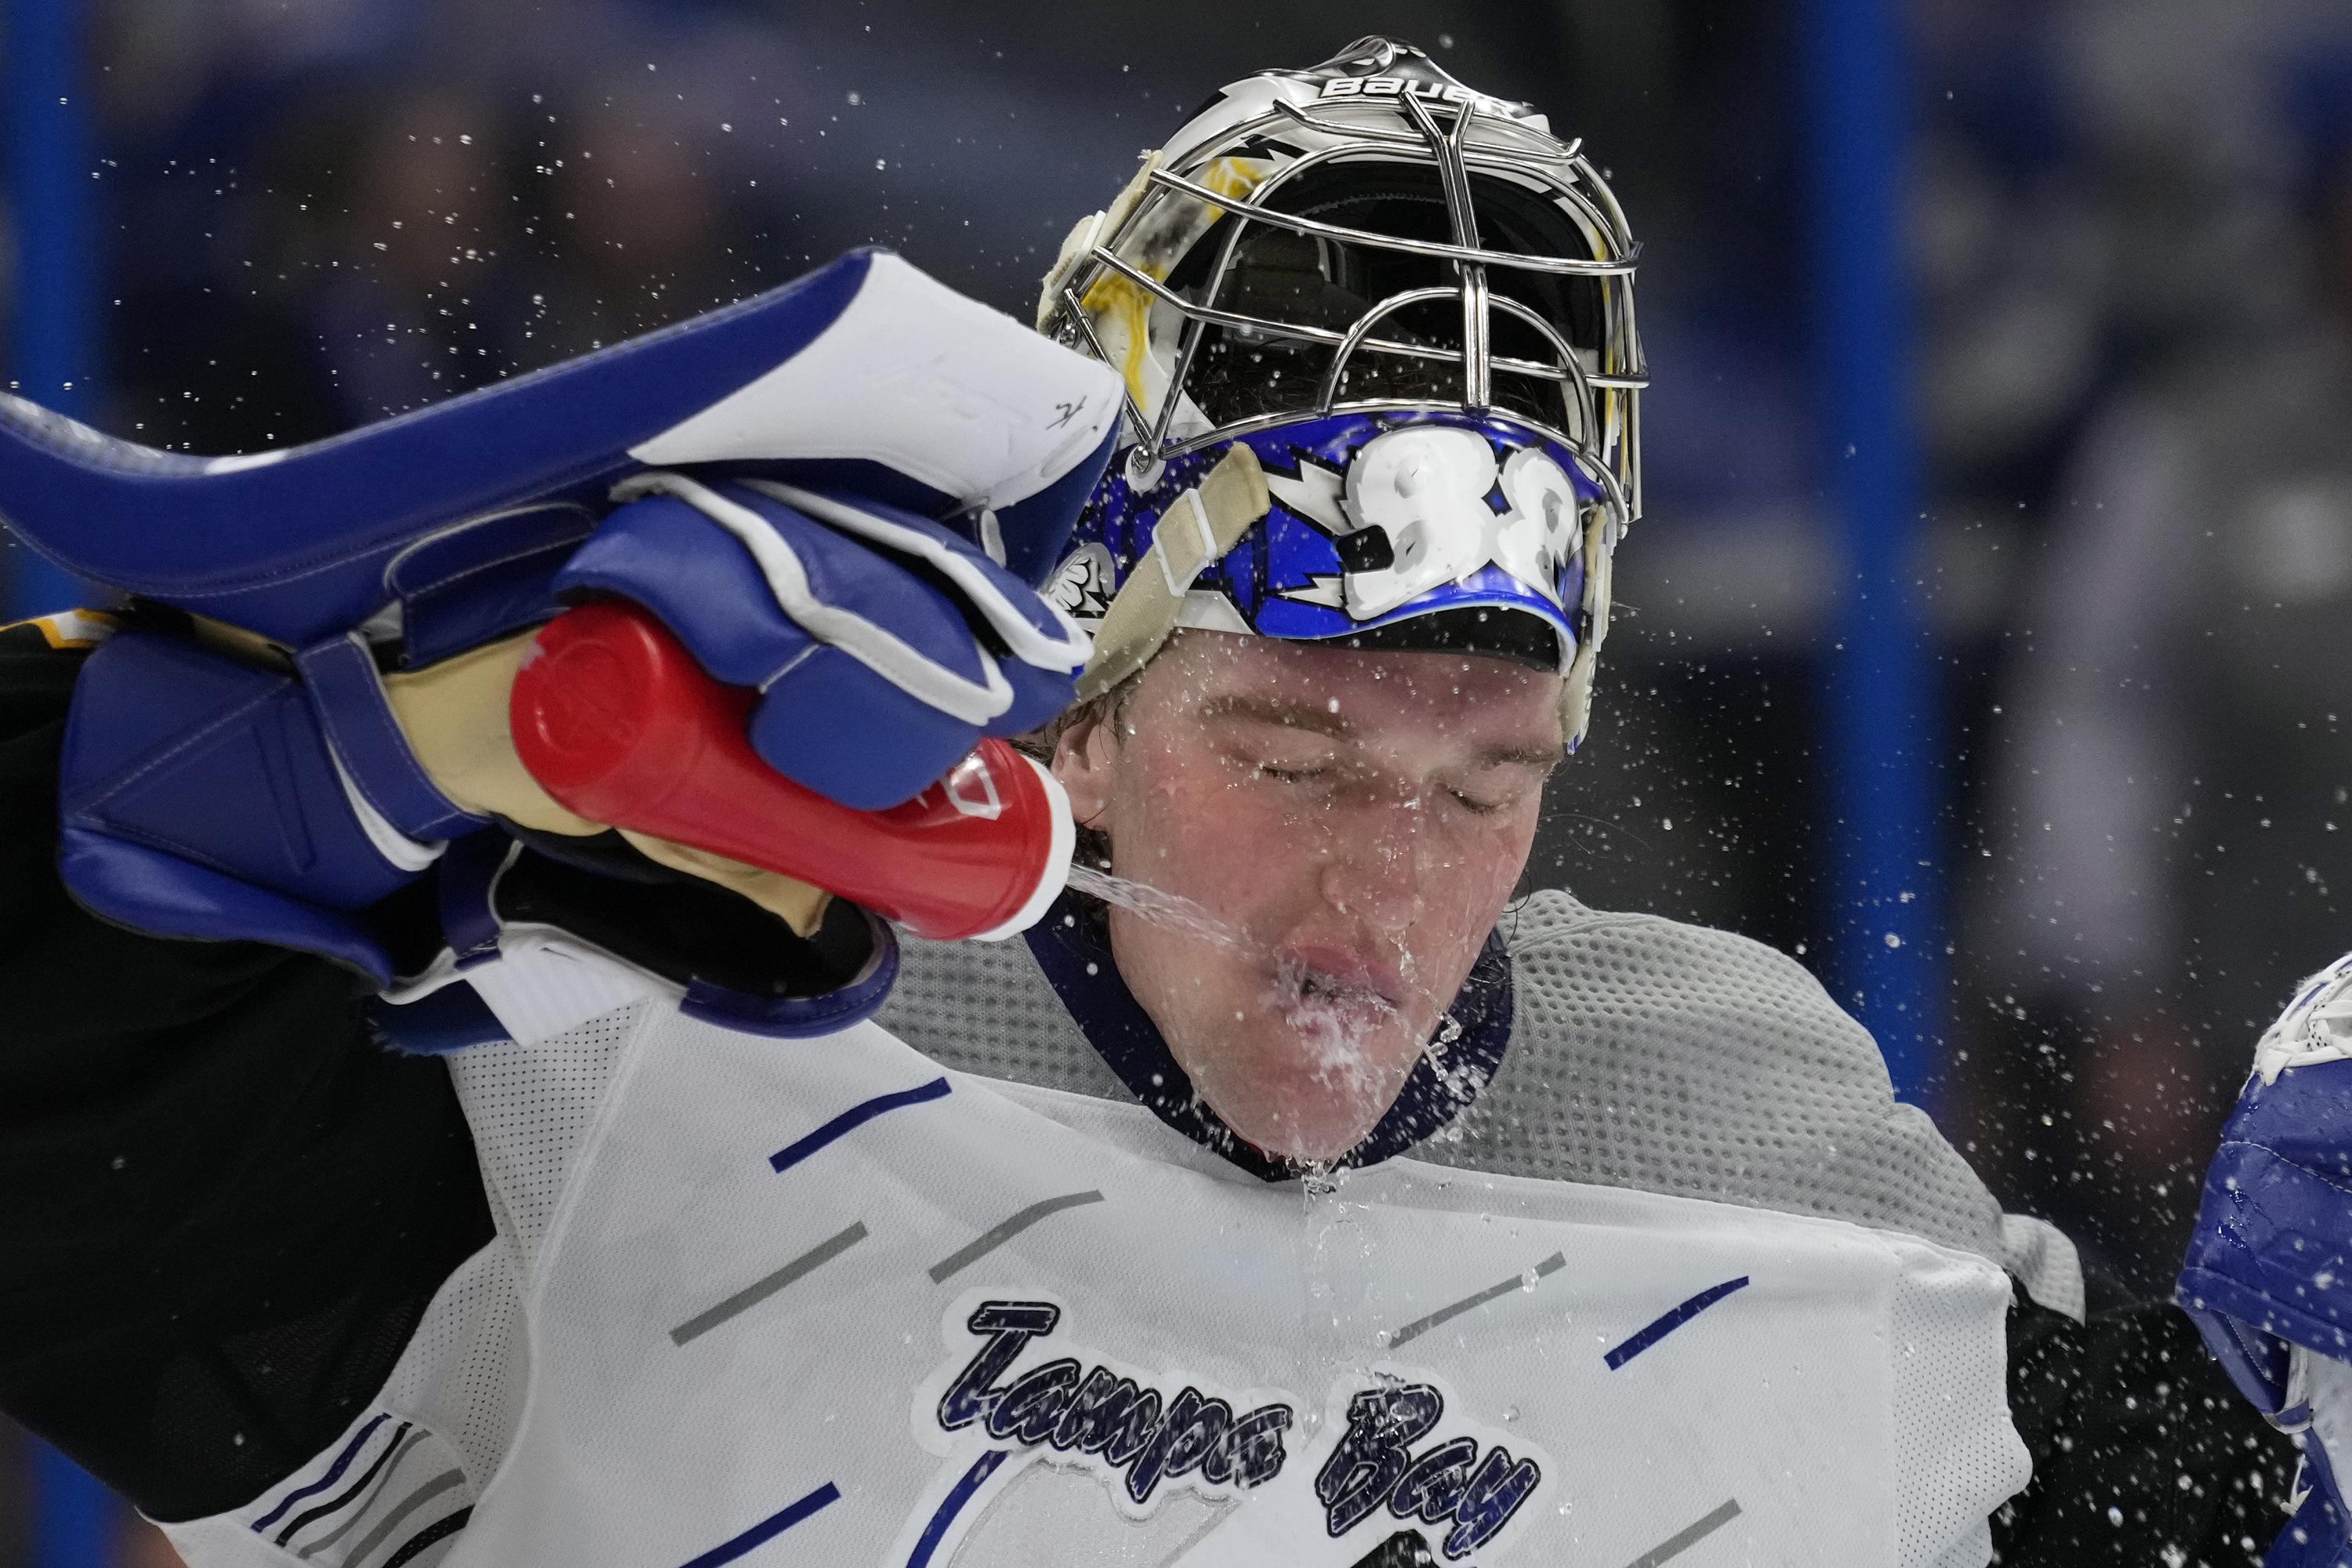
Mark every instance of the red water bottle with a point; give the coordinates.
(615, 720)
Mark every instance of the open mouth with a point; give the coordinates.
(1340, 1025)
(1336, 1015)
(1302, 986)
(1334, 976)
(1314, 983)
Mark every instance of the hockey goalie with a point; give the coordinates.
(852, 934)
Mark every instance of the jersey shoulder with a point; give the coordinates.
(1679, 1058)
(985, 1008)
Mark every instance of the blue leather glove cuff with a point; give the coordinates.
(198, 797)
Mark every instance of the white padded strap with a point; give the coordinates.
(1198, 527)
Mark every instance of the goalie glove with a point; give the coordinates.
(881, 644)
(898, 462)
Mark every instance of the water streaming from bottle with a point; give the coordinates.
(1305, 994)
(1162, 908)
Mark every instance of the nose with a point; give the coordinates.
(1373, 867)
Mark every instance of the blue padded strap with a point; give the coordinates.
(345, 692)
(465, 880)
(475, 583)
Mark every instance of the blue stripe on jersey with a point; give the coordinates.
(849, 1120)
(1673, 1319)
(775, 1524)
(358, 1514)
(334, 1473)
(357, 1487)
(935, 1531)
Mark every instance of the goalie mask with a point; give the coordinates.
(1377, 335)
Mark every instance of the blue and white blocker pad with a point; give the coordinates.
(841, 493)
(864, 374)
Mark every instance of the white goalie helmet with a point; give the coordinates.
(1382, 377)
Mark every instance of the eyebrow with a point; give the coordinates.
(1249, 710)
(1268, 711)
(1546, 758)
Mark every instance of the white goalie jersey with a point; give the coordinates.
(842, 1300)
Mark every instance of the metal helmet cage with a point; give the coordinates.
(1366, 235)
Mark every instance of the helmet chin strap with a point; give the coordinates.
(1198, 527)
(1576, 692)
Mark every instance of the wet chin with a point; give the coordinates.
(1308, 1093)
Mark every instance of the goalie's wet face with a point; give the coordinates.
(1357, 817)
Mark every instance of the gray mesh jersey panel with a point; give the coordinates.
(1644, 1054)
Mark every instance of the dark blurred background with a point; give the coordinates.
(2125, 232)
